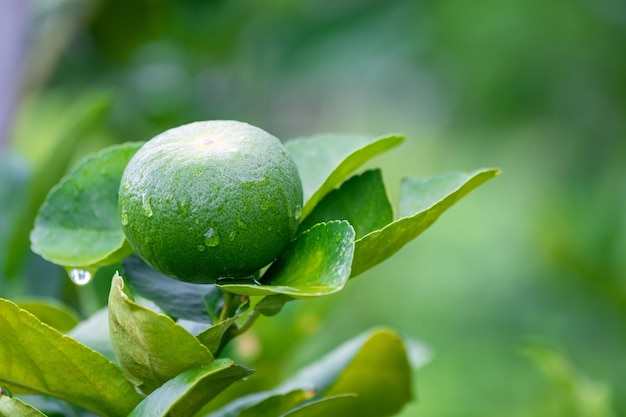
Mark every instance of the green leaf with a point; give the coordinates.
(180, 299)
(277, 404)
(78, 121)
(13, 407)
(325, 161)
(38, 359)
(186, 393)
(316, 263)
(362, 201)
(330, 406)
(374, 366)
(78, 225)
(265, 403)
(151, 347)
(423, 201)
(272, 304)
(94, 333)
(52, 312)
(212, 337)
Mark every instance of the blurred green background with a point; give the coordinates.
(518, 293)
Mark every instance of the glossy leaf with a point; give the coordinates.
(14, 407)
(423, 201)
(150, 346)
(362, 201)
(325, 161)
(38, 359)
(186, 393)
(78, 225)
(179, 299)
(373, 366)
(316, 263)
(52, 312)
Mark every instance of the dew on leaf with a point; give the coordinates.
(80, 276)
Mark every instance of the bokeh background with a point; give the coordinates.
(518, 293)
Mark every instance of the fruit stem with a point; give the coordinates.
(228, 299)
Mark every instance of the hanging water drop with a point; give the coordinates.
(211, 238)
(80, 276)
(146, 205)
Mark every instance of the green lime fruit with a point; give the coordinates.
(210, 199)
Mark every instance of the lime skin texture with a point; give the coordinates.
(209, 200)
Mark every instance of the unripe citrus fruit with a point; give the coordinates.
(210, 199)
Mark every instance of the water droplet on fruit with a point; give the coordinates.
(169, 198)
(146, 205)
(201, 248)
(183, 210)
(231, 235)
(211, 238)
(298, 211)
(240, 223)
(127, 186)
(79, 276)
(124, 216)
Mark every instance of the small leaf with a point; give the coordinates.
(78, 225)
(180, 299)
(316, 263)
(186, 393)
(275, 402)
(212, 337)
(362, 201)
(14, 407)
(330, 406)
(423, 201)
(325, 161)
(52, 312)
(151, 347)
(38, 359)
(373, 366)
(272, 304)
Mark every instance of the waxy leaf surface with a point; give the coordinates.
(14, 407)
(187, 393)
(180, 299)
(78, 225)
(362, 201)
(373, 366)
(150, 346)
(36, 358)
(316, 263)
(52, 312)
(423, 201)
(325, 161)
